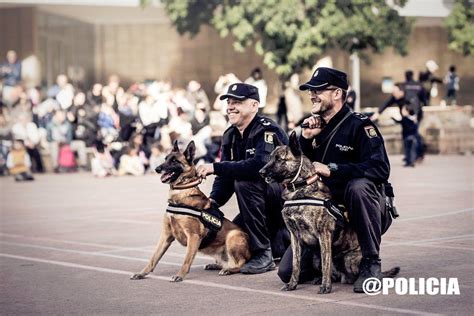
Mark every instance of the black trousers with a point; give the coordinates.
(260, 206)
(365, 203)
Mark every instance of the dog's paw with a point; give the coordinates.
(176, 278)
(225, 272)
(288, 287)
(325, 289)
(212, 266)
(137, 276)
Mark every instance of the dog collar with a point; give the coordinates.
(293, 186)
(186, 185)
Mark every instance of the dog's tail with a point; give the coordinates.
(391, 273)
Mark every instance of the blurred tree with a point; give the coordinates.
(460, 24)
(291, 34)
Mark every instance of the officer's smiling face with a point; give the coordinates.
(241, 112)
(322, 101)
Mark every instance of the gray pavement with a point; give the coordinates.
(68, 244)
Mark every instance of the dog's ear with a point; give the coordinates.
(189, 152)
(175, 146)
(295, 144)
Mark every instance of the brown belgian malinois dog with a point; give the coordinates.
(312, 224)
(229, 247)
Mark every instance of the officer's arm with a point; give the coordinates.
(223, 187)
(374, 163)
(307, 148)
(388, 103)
(246, 169)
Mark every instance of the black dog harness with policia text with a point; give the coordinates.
(332, 209)
(212, 218)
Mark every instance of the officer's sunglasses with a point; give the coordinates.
(318, 92)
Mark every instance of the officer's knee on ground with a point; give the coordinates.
(358, 188)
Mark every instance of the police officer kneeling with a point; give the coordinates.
(349, 154)
(246, 148)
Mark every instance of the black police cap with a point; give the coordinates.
(241, 91)
(324, 77)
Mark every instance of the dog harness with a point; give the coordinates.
(328, 205)
(211, 218)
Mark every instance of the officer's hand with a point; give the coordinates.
(204, 170)
(314, 124)
(321, 169)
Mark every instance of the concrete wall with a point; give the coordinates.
(17, 31)
(144, 51)
(65, 46)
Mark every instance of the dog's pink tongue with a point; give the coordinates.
(166, 176)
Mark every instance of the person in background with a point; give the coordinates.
(94, 96)
(102, 164)
(130, 163)
(197, 95)
(62, 91)
(256, 79)
(28, 132)
(451, 80)
(60, 133)
(429, 81)
(409, 135)
(114, 91)
(10, 72)
(18, 162)
(351, 98)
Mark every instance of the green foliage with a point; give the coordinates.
(291, 34)
(460, 24)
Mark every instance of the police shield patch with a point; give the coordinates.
(269, 137)
(370, 131)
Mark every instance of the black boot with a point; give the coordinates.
(368, 268)
(259, 263)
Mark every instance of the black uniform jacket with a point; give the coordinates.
(243, 156)
(357, 148)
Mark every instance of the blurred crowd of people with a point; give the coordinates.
(107, 129)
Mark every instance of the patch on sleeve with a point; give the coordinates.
(269, 137)
(370, 131)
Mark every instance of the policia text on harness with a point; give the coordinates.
(211, 218)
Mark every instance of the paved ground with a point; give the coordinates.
(68, 244)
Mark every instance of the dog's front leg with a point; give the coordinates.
(193, 243)
(325, 242)
(295, 273)
(164, 243)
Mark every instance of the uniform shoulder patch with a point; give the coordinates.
(268, 137)
(265, 122)
(360, 116)
(370, 131)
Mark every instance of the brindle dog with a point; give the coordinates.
(309, 224)
(229, 248)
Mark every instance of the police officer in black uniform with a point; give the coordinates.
(349, 154)
(246, 148)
